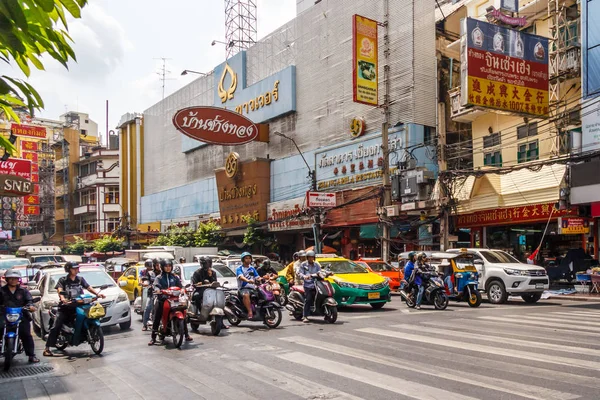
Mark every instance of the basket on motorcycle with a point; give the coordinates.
(96, 311)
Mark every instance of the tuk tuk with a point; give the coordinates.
(460, 270)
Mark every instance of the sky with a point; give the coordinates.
(118, 44)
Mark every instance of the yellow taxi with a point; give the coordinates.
(130, 281)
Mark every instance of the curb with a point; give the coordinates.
(574, 298)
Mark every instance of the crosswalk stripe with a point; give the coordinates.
(571, 315)
(382, 381)
(546, 327)
(501, 385)
(505, 352)
(296, 385)
(505, 340)
(583, 330)
(562, 319)
(119, 386)
(581, 312)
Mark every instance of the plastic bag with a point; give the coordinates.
(96, 311)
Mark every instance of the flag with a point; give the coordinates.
(531, 258)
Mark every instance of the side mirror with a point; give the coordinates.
(35, 293)
(122, 283)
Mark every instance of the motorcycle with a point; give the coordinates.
(174, 315)
(324, 304)
(277, 289)
(10, 343)
(212, 310)
(435, 291)
(85, 328)
(264, 305)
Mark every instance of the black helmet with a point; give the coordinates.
(155, 261)
(205, 262)
(70, 265)
(149, 264)
(165, 263)
(266, 263)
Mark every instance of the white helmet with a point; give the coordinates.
(12, 273)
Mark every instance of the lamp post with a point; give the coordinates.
(189, 71)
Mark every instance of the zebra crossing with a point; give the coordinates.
(525, 354)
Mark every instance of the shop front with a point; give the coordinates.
(290, 225)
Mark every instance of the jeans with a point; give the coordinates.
(309, 300)
(65, 314)
(420, 294)
(148, 310)
(448, 282)
(24, 335)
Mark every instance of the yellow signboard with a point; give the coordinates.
(365, 68)
(573, 226)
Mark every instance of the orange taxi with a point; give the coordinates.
(380, 267)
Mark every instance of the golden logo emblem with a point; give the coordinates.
(232, 164)
(357, 127)
(227, 94)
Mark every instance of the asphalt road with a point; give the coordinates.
(548, 351)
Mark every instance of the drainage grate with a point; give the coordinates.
(19, 372)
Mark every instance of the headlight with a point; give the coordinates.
(12, 317)
(511, 271)
(122, 297)
(347, 284)
(386, 283)
(459, 276)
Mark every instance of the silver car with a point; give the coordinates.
(116, 302)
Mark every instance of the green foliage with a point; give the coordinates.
(108, 244)
(78, 247)
(253, 235)
(29, 30)
(208, 234)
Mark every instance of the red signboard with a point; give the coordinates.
(17, 167)
(28, 145)
(36, 188)
(31, 156)
(504, 216)
(215, 125)
(35, 168)
(35, 178)
(28, 130)
(31, 199)
(32, 210)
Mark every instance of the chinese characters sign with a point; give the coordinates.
(503, 69)
(503, 216)
(28, 145)
(28, 130)
(31, 210)
(364, 54)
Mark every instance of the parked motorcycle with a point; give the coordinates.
(174, 315)
(212, 310)
(10, 343)
(435, 292)
(264, 305)
(324, 304)
(86, 327)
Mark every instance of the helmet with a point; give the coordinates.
(296, 255)
(149, 264)
(12, 273)
(266, 263)
(205, 262)
(301, 253)
(421, 255)
(181, 260)
(165, 263)
(412, 255)
(70, 265)
(155, 261)
(310, 254)
(244, 255)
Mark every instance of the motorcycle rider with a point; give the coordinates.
(408, 270)
(12, 295)
(163, 281)
(68, 287)
(309, 267)
(149, 274)
(421, 267)
(266, 268)
(204, 275)
(290, 273)
(301, 259)
(247, 276)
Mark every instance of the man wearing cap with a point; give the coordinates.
(301, 259)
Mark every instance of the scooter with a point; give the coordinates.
(10, 343)
(324, 305)
(277, 289)
(264, 305)
(435, 292)
(212, 310)
(86, 327)
(174, 315)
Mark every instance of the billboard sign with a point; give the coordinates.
(365, 66)
(28, 130)
(503, 69)
(286, 215)
(573, 226)
(16, 167)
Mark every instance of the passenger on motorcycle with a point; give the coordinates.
(68, 287)
(266, 268)
(290, 273)
(247, 276)
(149, 274)
(164, 281)
(297, 265)
(12, 295)
(408, 270)
(309, 267)
(421, 267)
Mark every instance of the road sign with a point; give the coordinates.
(318, 199)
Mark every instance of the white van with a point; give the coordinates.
(41, 254)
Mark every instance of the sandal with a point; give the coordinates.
(189, 339)
(48, 353)
(144, 328)
(33, 360)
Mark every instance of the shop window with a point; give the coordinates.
(528, 130)
(528, 152)
(89, 226)
(111, 195)
(493, 159)
(491, 140)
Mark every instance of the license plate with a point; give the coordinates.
(539, 285)
(374, 295)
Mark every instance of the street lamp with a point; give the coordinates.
(189, 71)
(231, 42)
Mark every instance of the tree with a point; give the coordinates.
(108, 244)
(30, 29)
(78, 247)
(208, 234)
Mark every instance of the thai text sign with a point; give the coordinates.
(284, 215)
(365, 66)
(573, 226)
(28, 130)
(16, 167)
(316, 199)
(504, 216)
(503, 68)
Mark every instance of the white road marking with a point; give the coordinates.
(573, 320)
(358, 317)
(379, 380)
(501, 385)
(583, 330)
(504, 352)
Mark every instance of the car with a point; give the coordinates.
(129, 281)
(116, 302)
(501, 275)
(225, 276)
(17, 263)
(232, 263)
(384, 269)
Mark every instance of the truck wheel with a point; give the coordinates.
(531, 298)
(497, 292)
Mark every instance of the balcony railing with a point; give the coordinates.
(87, 209)
(111, 207)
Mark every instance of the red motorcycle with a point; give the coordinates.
(174, 315)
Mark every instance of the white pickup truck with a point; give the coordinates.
(501, 275)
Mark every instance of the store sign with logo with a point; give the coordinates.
(511, 215)
(28, 130)
(503, 69)
(365, 72)
(358, 163)
(590, 124)
(284, 215)
(573, 226)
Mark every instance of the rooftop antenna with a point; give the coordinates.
(163, 73)
(240, 25)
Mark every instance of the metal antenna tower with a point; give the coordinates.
(163, 73)
(240, 25)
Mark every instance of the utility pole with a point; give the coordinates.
(387, 195)
(163, 74)
(317, 224)
(443, 166)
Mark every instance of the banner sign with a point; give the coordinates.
(284, 214)
(28, 145)
(31, 199)
(365, 64)
(505, 216)
(503, 69)
(573, 226)
(506, 19)
(28, 130)
(16, 167)
(29, 155)
(32, 210)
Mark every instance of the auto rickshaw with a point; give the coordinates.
(460, 270)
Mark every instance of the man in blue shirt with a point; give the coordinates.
(246, 276)
(409, 267)
(309, 267)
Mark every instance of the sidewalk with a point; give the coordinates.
(578, 295)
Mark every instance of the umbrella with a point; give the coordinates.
(324, 250)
